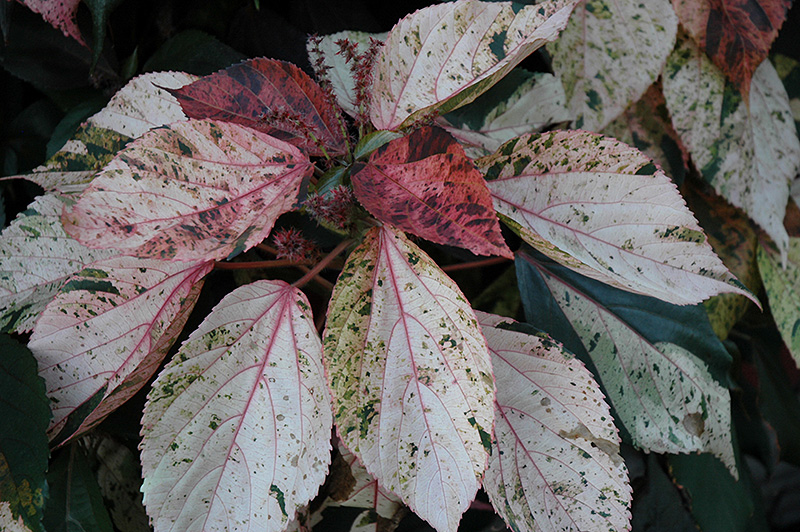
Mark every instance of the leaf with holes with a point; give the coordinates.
(783, 292)
(410, 376)
(271, 96)
(749, 153)
(102, 338)
(555, 462)
(237, 427)
(664, 395)
(141, 105)
(603, 209)
(444, 56)
(735, 34)
(190, 191)
(36, 258)
(608, 55)
(423, 183)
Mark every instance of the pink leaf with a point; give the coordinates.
(59, 14)
(270, 96)
(104, 335)
(555, 462)
(190, 191)
(236, 431)
(410, 375)
(424, 184)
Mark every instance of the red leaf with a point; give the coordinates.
(270, 96)
(425, 184)
(736, 34)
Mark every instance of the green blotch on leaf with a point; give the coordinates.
(486, 438)
(90, 285)
(594, 102)
(497, 46)
(279, 496)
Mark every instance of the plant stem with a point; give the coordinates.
(321, 265)
(278, 263)
(474, 264)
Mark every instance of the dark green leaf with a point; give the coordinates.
(23, 444)
(193, 51)
(75, 504)
(71, 122)
(100, 9)
(658, 506)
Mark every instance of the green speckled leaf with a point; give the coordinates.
(749, 153)
(789, 71)
(603, 209)
(237, 427)
(444, 56)
(783, 292)
(555, 462)
(410, 376)
(608, 55)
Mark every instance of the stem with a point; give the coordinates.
(474, 264)
(321, 265)
(278, 263)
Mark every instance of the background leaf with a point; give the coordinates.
(605, 210)
(442, 57)
(555, 462)
(192, 191)
(423, 183)
(237, 427)
(23, 443)
(608, 55)
(782, 285)
(749, 153)
(399, 335)
(102, 338)
(61, 15)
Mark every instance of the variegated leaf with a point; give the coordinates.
(749, 153)
(608, 55)
(782, 285)
(102, 338)
(604, 210)
(60, 15)
(36, 258)
(663, 394)
(410, 376)
(193, 190)
(444, 56)
(555, 463)
(425, 184)
(236, 430)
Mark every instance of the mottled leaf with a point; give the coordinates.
(522, 102)
(603, 209)
(735, 34)
(271, 96)
(423, 183)
(410, 376)
(102, 338)
(749, 153)
(236, 430)
(664, 395)
(608, 55)
(60, 15)
(782, 286)
(10, 523)
(190, 191)
(23, 444)
(444, 56)
(330, 64)
(36, 258)
(142, 104)
(555, 462)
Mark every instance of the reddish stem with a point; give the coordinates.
(474, 264)
(278, 263)
(321, 265)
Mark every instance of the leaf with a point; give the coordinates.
(75, 502)
(141, 105)
(355, 487)
(782, 286)
(102, 338)
(194, 51)
(735, 34)
(330, 64)
(666, 398)
(23, 444)
(603, 209)
(659, 507)
(60, 15)
(423, 183)
(237, 427)
(36, 258)
(788, 70)
(444, 56)
(410, 377)
(522, 102)
(271, 96)
(749, 153)
(8, 522)
(609, 54)
(555, 462)
(192, 190)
